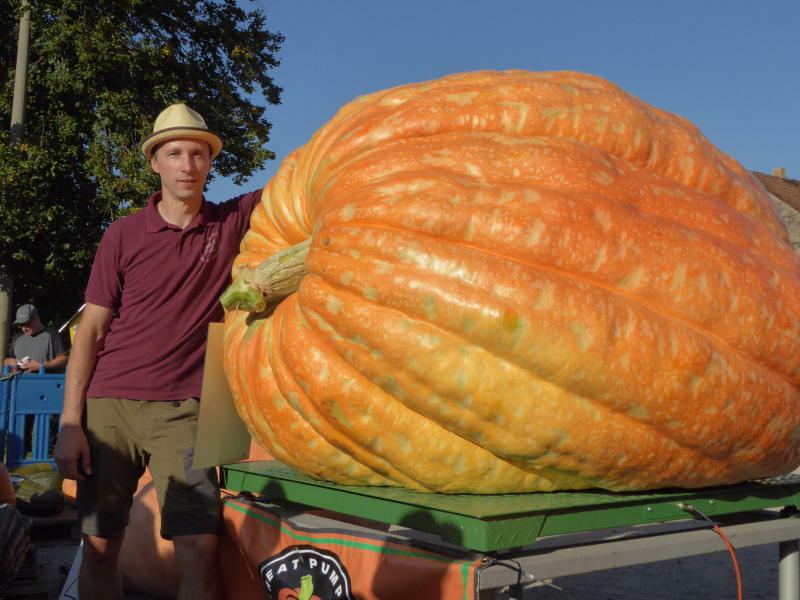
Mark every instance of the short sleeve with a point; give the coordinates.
(105, 281)
(11, 353)
(59, 347)
(239, 210)
(248, 205)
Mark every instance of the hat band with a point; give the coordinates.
(185, 128)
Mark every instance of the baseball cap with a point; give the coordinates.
(25, 313)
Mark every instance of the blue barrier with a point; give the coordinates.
(30, 405)
(5, 396)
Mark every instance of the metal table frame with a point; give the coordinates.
(575, 554)
(522, 537)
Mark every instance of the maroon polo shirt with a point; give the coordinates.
(164, 285)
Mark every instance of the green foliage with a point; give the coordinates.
(99, 73)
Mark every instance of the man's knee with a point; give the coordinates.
(101, 551)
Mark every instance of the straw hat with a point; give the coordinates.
(180, 121)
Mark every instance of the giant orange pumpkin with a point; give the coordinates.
(518, 282)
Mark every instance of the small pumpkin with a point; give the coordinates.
(516, 282)
(37, 489)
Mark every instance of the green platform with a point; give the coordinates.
(487, 523)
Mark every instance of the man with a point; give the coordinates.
(136, 365)
(36, 345)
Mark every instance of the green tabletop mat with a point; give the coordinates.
(488, 523)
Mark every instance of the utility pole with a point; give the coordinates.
(17, 131)
(21, 75)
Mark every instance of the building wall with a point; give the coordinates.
(791, 218)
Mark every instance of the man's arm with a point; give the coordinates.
(57, 363)
(72, 449)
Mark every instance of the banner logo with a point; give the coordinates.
(305, 573)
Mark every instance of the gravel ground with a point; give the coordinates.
(54, 552)
(53, 561)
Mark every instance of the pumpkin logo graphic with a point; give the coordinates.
(305, 573)
(306, 591)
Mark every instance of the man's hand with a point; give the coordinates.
(32, 366)
(72, 453)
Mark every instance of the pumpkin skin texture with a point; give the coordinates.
(521, 282)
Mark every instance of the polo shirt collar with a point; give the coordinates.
(155, 222)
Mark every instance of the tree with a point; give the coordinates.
(100, 71)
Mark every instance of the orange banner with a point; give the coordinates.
(272, 553)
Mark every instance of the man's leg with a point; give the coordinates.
(104, 498)
(189, 498)
(198, 561)
(100, 576)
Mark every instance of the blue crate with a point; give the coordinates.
(31, 396)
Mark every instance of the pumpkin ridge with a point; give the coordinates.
(581, 197)
(337, 435)
(661, 126)
(244, 407)
(775, 382)
(376, 390)
(702, 453)
(510, 358)
(344, 464)
(588, 199)
(319, 324)
(233, 335)
(650, 306)
(263, 425)
(581, 155)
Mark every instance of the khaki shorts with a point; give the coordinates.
(125, 437)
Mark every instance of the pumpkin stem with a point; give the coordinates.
(242, 296)
(271, 281)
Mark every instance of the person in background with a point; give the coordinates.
(35, 345)
(131, 397)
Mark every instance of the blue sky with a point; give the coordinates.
(731, 67)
